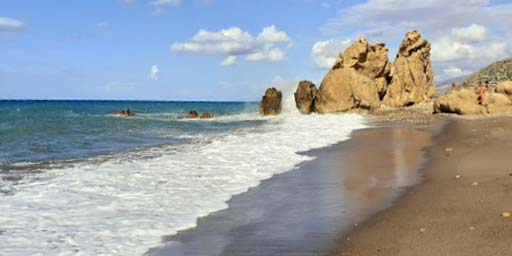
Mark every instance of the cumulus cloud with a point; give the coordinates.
(234, 42)
(468, 43)
(229, 61)
(270, 35)
(154, 72)
(273, 55)
(10, 25)
(324, 53)
(472, 34)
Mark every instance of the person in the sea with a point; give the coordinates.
(128, 112)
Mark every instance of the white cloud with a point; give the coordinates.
(468, 43)
(472, 34)
(234, 42)
(10, 25)
(229, 61)
(103, 25)
(270, 35)
(273, 55)
(154, 72)
(324, 53)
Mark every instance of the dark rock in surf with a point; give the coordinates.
(305, 97)
(192, 114)
(271, 102)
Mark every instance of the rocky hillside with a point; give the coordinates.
(494, 73)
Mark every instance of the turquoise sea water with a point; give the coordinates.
(38, 132)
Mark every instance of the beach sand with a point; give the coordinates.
(305, 211)
(446, 215)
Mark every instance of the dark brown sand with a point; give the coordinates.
(446, 215)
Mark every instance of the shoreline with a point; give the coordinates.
(321, 197)
(456, 209)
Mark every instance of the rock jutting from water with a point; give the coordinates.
(305, 97)
(270, 103)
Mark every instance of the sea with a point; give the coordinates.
(75, 179)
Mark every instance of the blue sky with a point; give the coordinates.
(221, 49)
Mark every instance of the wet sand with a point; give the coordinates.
(305, 211)
(446, 215)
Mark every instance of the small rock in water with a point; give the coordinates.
(474, 184)
(505, 214)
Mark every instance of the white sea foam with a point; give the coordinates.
(124, 206)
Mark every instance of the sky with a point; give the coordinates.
(224, 50)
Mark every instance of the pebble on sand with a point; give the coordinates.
(448, 149)
(457, 176)
(471, 228)
(505, 214)
(423, 230)
(474, 184)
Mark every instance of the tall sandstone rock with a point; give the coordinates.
(271, 102)
(358, 79)
(305, 97)
(412, 76)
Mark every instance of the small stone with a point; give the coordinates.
(457, 176)
(355, 224)
(448, 149)
(348, 238)
(423, 230)
(505, 214)
(471, 228)
(474, 184)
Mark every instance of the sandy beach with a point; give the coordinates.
(457, 209)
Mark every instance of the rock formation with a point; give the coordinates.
(207, 115)
(465, 101)
(412, 77)
(305, 97)
(358, 79)
(271, 102)
(192, 114)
